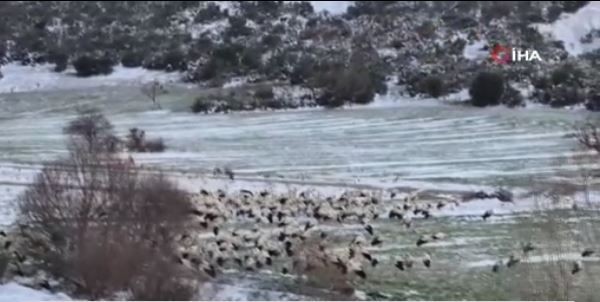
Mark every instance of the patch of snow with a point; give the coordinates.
(460, 96)
(387, 52)
(570, 28)
(13, 292)
(538, 259)
(213, 29)
(475, 51)
(18, 78)
(236, 82)
(332, 7)
(243, 290)
(291, 92)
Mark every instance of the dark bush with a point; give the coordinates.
(4, 261)
(303, 70)
(567, 74)
(171, 60)
(352, 85)
(511, 97)
(92, 131)
(302, 8)
(251, 58)
(573, 6)
(271, 40)
(553, 12)
(137, 142)
(264, 93)
(60, 60)
(90, 65)
(486, 89)
(202, 104)
(229, 55)
(496, 10)
(274, 104)
(211, 70)
(432, 86)
(211, 12)
(561, 96)
(132, 58)
(328, 99)
(593, 102)
(397, 44)
(155, 145)
(426, 30)
(237, 27)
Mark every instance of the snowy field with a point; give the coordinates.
(392, 144)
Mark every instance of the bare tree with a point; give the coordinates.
(588, 136)
(94, 220)
(91, 130)
(153, 90)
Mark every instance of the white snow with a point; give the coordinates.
(243, 290)
(570, 28)
(13, 292)
(236, 82)
(332, 7)
(475, 51)
(213, 29)
(18, 78)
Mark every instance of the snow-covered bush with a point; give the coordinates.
(487, 89)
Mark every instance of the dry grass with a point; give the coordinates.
(562, 234)
(314, 270)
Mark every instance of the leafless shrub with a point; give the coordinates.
(92, 219)
(153, 90)
(155, 145)
(137, 141)
(316, 271)
(588, 136)
(91, 130)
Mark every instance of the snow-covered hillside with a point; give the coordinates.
(18, 78)
(572, 28)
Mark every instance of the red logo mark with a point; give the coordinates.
(501, 54)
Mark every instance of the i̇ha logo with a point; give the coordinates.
(504, 55)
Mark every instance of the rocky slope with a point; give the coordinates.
(432, 48)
